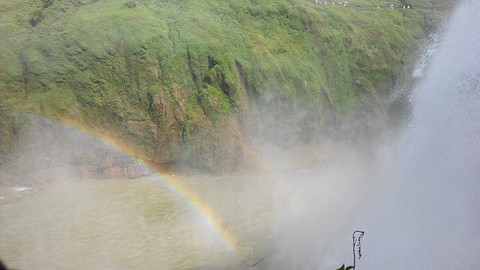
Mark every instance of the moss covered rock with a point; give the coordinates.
(184, 82)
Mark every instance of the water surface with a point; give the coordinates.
(135, 224)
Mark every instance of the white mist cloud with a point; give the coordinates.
(314, 207)
(428, 217)
(417, 199)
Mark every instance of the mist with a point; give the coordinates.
(314, 207)
(319, 182)
(49, 152)
(413, 191)
(416, 197)
(427, 216)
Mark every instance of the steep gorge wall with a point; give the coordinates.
(190, 84)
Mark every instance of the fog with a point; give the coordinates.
(416, 198)
(49, 152)
(428, 215)
(315, 208)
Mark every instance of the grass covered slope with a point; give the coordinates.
(176, 80)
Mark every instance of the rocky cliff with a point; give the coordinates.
(203, 85)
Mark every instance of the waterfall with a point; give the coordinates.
(428, 215)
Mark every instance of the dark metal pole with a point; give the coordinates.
(354, 251)
(354, 243)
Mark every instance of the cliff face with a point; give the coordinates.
(50, 153)
(190, 84)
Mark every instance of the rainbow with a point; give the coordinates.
(181, 186)
(193, 198)
(177, 183)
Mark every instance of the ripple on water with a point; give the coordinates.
(15, 194)
(129, 224)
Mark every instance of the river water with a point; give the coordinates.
(286, 220)
(135, 224)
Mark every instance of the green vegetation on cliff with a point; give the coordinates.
(182, 80)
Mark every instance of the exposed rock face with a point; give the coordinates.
(47, 152)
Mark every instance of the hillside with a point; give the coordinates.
(189, 85)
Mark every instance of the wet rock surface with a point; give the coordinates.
(47, 152)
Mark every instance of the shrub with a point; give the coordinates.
(47, 3)
(36, 17)
(345, 268)
(131, 4)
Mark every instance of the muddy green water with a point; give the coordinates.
(135, 224)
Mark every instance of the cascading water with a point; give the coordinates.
(429, 215)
